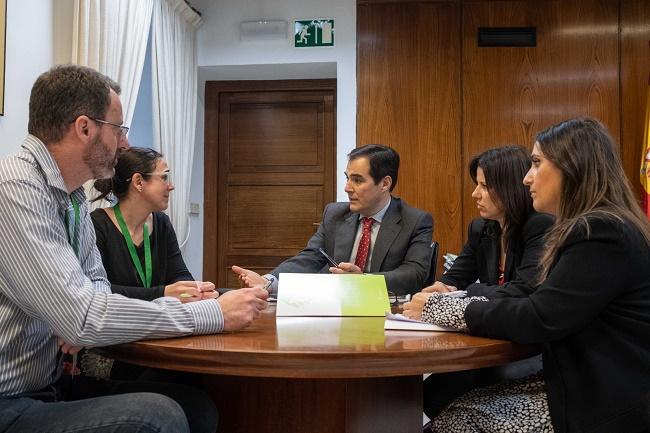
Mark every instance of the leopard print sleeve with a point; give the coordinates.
(448, 311)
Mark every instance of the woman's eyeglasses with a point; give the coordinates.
(163, 175)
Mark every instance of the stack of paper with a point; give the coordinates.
(397, 321)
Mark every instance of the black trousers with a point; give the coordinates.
(442, 389)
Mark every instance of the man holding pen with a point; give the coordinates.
(374, 232)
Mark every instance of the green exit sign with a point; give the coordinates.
(313, 33)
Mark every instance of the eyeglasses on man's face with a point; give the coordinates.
(123, 129)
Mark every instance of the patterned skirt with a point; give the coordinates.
(518, 405)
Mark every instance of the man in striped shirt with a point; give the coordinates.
(53, 288)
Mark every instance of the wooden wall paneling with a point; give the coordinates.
(635, 73)
(317, 405)
(375, 2)
(510, 94)
(408, 97)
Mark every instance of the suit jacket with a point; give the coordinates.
(592, 316)
(401, 253)
(479, 258)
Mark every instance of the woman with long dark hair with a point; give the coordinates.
(500, 258)
(504, 245)
(590, 312)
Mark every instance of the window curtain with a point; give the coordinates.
(111, 37)
(174, 83)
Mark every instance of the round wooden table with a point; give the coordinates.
(320, 374)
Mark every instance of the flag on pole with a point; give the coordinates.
(645, 158)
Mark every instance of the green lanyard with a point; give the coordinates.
(73, 232)
(146, 277)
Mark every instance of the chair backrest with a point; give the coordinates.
(433, 263)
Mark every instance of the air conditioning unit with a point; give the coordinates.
(263, 30)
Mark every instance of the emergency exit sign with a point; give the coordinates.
(313, 33)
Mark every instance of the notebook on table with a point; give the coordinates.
(332, 295)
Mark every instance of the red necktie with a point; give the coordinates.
(364, 243)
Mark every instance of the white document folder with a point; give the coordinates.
(332, 295)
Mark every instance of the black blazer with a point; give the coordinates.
(479, 259)
(166, 258)
(592, 316)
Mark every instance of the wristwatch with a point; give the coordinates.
(269, 282)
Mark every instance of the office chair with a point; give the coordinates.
(433, 264)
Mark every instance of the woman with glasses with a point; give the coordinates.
(499, 259)
(590, 311)
(138, 244)
(136, 239)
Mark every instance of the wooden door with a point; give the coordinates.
(270, 163)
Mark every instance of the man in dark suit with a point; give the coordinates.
(375, 232)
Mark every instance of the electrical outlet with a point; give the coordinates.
(195, 209)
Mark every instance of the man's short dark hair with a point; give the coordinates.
(383, 161)
(64, 93)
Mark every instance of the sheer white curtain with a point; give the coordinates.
(111, 37)
(174, 65)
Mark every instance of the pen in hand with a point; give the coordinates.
(329, 259)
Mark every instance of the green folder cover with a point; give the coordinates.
(332, 295)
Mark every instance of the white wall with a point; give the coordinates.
(222, 56)
(29, 52)
(33, 26)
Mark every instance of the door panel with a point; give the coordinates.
(270, 168)
(283, 226)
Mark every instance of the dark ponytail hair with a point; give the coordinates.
(131, 161)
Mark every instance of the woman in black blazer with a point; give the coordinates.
(590, 312)
(503, 245)
(502, 253)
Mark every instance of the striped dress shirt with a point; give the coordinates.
(47, 292)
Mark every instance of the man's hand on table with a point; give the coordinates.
(248, 278)
(241, 307)
(346, 268)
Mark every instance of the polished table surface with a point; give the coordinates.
(347, 373)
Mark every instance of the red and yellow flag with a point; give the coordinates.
(645, 158)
